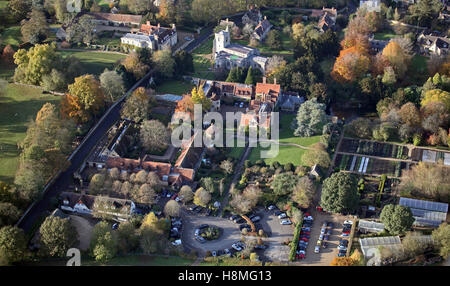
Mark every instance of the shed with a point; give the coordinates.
(370, 226)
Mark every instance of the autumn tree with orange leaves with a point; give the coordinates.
(350, 65)
(397, 57)
(84, 100)
(342, 261)
(186, 105)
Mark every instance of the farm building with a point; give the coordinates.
(366, 226)
(426, 213)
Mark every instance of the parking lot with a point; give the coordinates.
(326, 255)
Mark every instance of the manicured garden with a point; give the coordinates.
(95, 62)
(18, 106)
(374, 148)
(287, 153)
(178, 87)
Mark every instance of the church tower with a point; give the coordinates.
(221, 40)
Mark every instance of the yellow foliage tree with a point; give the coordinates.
(398, 58)
(436, 95)
(350, 65)
(342, 261)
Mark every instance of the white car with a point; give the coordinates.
(342, 247)
(285, 222)
(322, 231)
(317, 249)
(348, 222)
(176, 242)
(308, 218)
(241, 105)
(282, 215)
(271, 207)
(177, 199)
(236, 247)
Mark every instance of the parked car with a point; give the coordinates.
(282, 215)
(227, 252)
(285, 222)
(345, 234)
(169, 195)
(260, 246)
(236, 247)
(349, 222)
(197, 232)
(115, 226)
(214, 253)
(277, 212)
(326, 237)
(317, 249)
(328, 232)
(271, 207)
(200, 239)
(176, 242)
(342, 247)
(234, 217)
(319, 242)
(308, 218)
(242, 226)
(330, 225)
(255, 219)
(325, 224)
(174, 197)
(306, 228)
(321, 237)
(324, 244)
(322, 230)
(191, 208)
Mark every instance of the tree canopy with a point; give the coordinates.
(339, 193)
(397, 219)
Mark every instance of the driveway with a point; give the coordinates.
(230, 232)
(84, 229)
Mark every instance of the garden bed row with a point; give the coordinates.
(374, 148)
(369, 166)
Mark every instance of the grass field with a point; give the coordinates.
(17, 107)
(384, 36)
(12, 36)
(177, 87)
(201, 63)
(95, 62)
(286, 154)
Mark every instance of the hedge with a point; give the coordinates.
(294, 242)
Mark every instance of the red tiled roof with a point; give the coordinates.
(268, 89)
(123, 18)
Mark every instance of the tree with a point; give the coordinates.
(106, 247)
(198, 97)
(9, 213)
(208, 184)
(339, 193)
(82, 30)
(55, 81)
(424, 11)
(202, 197)
(227, 166)
(389, 76)
(413, 245)
(183, 63)
(7, 56)
(342, 261)
(33, 64)
(139, 7)
(275, 64)
(112, 84)
(317, 157)
(284, 184)
(186, 194)
(397, 219)
(85, 99)
(13, 245)
(146, 195)
(436, 95)
(350, 65)
(127, 238)
(186, 105)
(250, 79)
(245, 202)
(427, 180)
(19, 9)
(441, 238)
(410, 114)
(310, 118)
(304, 192)
(154, 136)
(136, 107)
(134, 65)
(273, 40)
(164, 63)
(172, 209)
(398, 58)
(35, 30)
(57, 236)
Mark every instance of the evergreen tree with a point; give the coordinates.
(250, 78)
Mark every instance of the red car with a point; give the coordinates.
(305, 239)
(304, 233)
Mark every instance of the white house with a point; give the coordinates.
(152, 37)
(370, 5)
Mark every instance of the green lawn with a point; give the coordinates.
(286, 154)
(17, 107)
(201, 63)
(12, 36)
(95, 62)
(177, 87)
(384, 35)
(286, 50)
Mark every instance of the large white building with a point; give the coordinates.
(152, 37)
(228, 56)
(370, 5)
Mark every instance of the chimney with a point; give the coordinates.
(264, 80)
(275, 80)
(148, 23)
(265, 17)
(226, 20)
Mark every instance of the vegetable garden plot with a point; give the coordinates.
(369, 166)
(374, 148)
